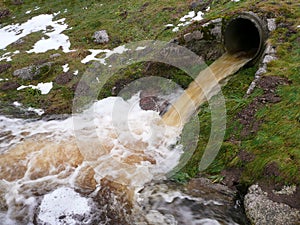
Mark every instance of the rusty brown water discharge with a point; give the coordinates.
(203, 87)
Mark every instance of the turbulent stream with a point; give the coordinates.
(117, 174)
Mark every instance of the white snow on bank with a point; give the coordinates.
(65, 68)
(140, 48)
(108, 53)
(169, 25)
(7, 56)
(30, 109)
(55, 39)
(43, 87)
(4, 79)
(235, 0)
(187, 20)
(76, 72)
(298, 26)
(60, 207)
(190, 14)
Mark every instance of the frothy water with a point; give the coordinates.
(39, 157)
(52, 172)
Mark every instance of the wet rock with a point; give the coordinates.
(201, 185)
(101, 37)
(4, 67)
(261, 210)
(30, 72)
(150, 101)
(11, 85)
(64, 78)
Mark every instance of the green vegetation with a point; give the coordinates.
(276, 141)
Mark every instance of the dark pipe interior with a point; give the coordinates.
(242, 35)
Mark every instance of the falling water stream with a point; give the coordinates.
(46, 179)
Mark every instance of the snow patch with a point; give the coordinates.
(188, 19)
(55, 39)
(65, 68)
(75, 72)
(140, 48)
(43, 87)
(95, 52)
(7, 56)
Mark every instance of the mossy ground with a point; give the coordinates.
(277, 139)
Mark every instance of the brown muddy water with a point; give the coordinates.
(45, 178)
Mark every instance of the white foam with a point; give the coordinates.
(112, 121)
(45, 88)
(11, 33)
(63, 203)
(16, 127)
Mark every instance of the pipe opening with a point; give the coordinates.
(246, 33)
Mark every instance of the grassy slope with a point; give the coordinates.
(278, 137)
(277, 140)
(125, 21)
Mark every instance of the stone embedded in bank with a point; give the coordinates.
(101, 37)
(261, 210)
(29, 72)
